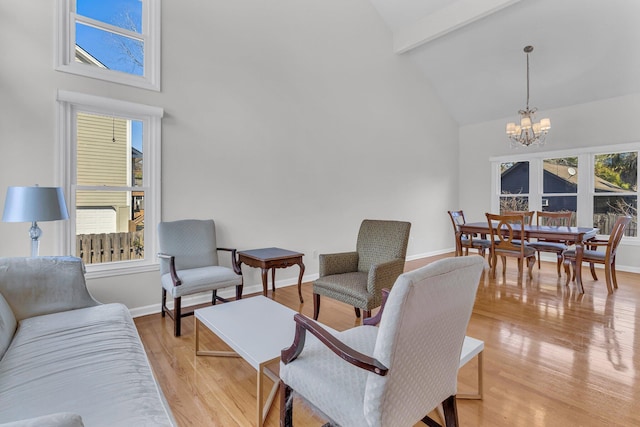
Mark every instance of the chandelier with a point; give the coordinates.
(528, 132)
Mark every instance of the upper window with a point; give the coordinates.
(112, 167)
(118, 41)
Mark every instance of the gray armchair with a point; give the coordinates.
(357, 278)
(189, 265)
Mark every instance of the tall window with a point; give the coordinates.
(615, 188)
(117, 41)
(514, 186)
(112, 168)
(560, 185)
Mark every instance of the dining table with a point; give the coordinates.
(571, 235)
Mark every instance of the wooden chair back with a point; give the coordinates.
(504, 230)
(616, 235)
(554, 219)
(528, 215)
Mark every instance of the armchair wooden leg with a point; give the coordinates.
(450, 412)
(163, 303)
(239, 292)
(592, 267)
(357, 312)
(316, 306)
(613, 274)
(177, 315)
(366, 313)
(558, 263)
(286, 405)
(214, 297)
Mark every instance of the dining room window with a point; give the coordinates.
(599, 184)
(615, 190)
(514, 186)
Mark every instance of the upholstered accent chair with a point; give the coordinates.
(189, 265)
(552, 219)
(393, 374)
(504, 230)
(357, 278)
(464, 242)
(592, 255)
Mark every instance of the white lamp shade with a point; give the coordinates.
(29, 204)
(545, 124)
(525, 123)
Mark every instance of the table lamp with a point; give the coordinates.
(32, 204)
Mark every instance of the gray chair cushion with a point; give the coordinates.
(587, 254)
(350, 288)
(201, 279)
(548, 246)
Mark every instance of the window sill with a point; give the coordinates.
(97, 271)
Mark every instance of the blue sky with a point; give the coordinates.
(107, 47)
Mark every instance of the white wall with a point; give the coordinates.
(287, 121)
(605, 122)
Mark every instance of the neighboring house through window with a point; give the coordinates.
(111, 165)
(118, 41)
(598, 184)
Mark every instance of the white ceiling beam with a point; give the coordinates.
(450, 18)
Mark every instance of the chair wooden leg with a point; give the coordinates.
(163, 304)
(286, 405)
(316, 306)
(613, 274)
(539, 263)
(607, 273)
(357, 312)
(450, 412)
(531, 261)
(177, 315)
(592, 267)
(567, 271)
(558, 263)
(214, 297)
(239, 292)
(366, 314)
(504, 265)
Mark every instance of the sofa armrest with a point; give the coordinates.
(60, 419)
(43, 285)
(339, 263)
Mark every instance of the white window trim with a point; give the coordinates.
(64, 49)
(585, 161)
(68, 104)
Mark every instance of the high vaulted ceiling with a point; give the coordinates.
(472, 51)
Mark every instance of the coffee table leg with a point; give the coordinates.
(263, 408)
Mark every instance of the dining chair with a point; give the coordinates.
(593, 256)
(189, 264)
(504, 230)
(552, 219)
(358, 277)
(528, 218)
(393, 374)
(464, 242)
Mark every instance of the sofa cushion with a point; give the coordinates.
(8, 326)
(62, 419)
(88, 361)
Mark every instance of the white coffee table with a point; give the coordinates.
(257, 329)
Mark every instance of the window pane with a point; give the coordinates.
(606, 209)
(109, 226)
(109, 151)
(559, 203)
(514, 178)
(125, 14)
(615, 173)
(514, 204)
(560, 175)
(104, 49)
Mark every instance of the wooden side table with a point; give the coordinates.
(272, 258)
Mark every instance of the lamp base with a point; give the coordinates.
(35, 232)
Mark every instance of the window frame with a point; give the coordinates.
(69, 104)
(586, 188)
(65, 46)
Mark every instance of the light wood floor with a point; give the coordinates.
(552, 357)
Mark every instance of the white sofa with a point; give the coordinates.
(67, 360)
